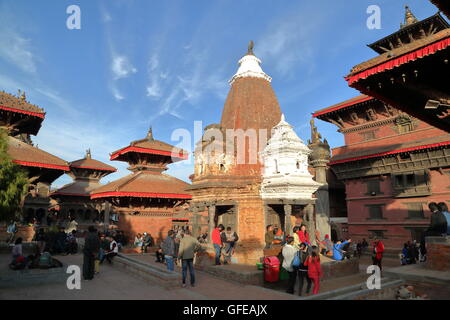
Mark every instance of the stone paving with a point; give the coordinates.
(113, 283)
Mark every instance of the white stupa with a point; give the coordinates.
(285, 158)
(249, 66)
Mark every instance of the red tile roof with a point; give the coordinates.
(80, 188)
(345, 104)
(151, 146)
(146, 184)
(399, 56)
(29, 156)
(12, 103)
(372, 152)
(93, 164)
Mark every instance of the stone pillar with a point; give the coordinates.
(309, 210)
(287, 219)
(211, 226)
(195, 222)
(107, 211)
(323, 211)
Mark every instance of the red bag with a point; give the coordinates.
(271, 269)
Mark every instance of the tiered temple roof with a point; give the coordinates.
(411, 71)
(18, 115)
(148, 158)
(87, 173)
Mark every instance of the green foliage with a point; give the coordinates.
(13, 182)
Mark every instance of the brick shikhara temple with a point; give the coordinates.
(396, 157)
(146, 199)
(22, 119)
(234, 185)
(73, 199)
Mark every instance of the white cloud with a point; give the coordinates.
(154, 89)
(116, 93)
(121, 67)
(289, 41)
(17, 50)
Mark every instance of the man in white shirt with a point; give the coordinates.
(113, 250)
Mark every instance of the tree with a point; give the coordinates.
(13, 182)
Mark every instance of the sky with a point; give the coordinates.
(165, 64)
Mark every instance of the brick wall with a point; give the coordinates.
(396, 222)
(438, 253)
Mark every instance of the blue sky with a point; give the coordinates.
(166, 64)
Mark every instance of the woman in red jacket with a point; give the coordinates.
(314, 268)
(378, 250)
(303, 234)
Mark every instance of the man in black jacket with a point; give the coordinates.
(438, 225)
(90, 252)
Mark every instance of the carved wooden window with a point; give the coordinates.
(411, 184)
(377, 234)
(373, 187)
(375, 211)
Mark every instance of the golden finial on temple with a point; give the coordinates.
(250, 48)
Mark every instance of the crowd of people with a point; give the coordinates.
(302, 260)
(179, 245)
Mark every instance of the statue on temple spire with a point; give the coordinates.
(88, 153)
(320, 149)
(150, 134)
(250, 48)
(410, 18)
(315, 135)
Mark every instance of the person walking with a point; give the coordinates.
(217, 242)
(90, 252)
(188, 246)
(303, 270)
(378, 250)
(314, 268)
(289, 252)
(168, 248)
(11, 231)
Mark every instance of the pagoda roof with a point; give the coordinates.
(436, 21)
(29, 156)
(144, 184)
(373, 152)
(149, 145)
(353, 102)
(443, 5)
(78, 188)
(88, 163)
(399, 56)
(12, 103)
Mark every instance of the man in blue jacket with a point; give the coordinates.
(338, 253)
(444, 209)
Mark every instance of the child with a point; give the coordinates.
(314, 268)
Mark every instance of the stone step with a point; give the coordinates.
(345, 291)
(148, 272)
(388, 289)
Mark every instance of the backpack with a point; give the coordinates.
(297, 261)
